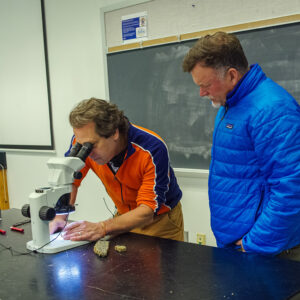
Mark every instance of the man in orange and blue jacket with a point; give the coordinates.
(133, 164)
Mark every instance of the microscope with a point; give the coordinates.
(47, 202)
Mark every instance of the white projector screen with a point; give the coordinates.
(25, 106)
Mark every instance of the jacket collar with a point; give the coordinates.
(130, 135)
(246, 85)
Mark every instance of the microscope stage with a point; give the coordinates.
(58, 244)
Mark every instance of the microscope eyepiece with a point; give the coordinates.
(81, 151)
(75, 149)
(85, 151)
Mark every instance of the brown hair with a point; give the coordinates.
(107, 117)
(219, 50)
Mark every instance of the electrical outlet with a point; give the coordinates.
(201, 239)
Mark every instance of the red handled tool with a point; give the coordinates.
(3, 232)
(17, 229)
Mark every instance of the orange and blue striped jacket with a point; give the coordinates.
(145, 176)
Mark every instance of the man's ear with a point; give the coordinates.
(234, 76)
(116, 135)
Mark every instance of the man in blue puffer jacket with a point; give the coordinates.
(254, 179)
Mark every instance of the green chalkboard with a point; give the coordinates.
(149, 85)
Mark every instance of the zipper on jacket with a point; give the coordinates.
(121, 191)
(116, 178)
(215, 132)
(226, 109)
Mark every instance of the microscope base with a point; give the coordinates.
(57, 245)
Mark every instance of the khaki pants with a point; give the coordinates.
(168, 225)
(292, 254)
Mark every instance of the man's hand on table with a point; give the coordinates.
(84, 231)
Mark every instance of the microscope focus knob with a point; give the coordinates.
(47, 213)
(26, 210)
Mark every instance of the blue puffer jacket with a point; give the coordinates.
(254, 181)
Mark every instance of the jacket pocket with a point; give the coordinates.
(261, 201)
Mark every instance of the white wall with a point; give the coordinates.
(174, 17)
(77, 71)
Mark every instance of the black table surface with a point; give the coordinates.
(151, 268)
